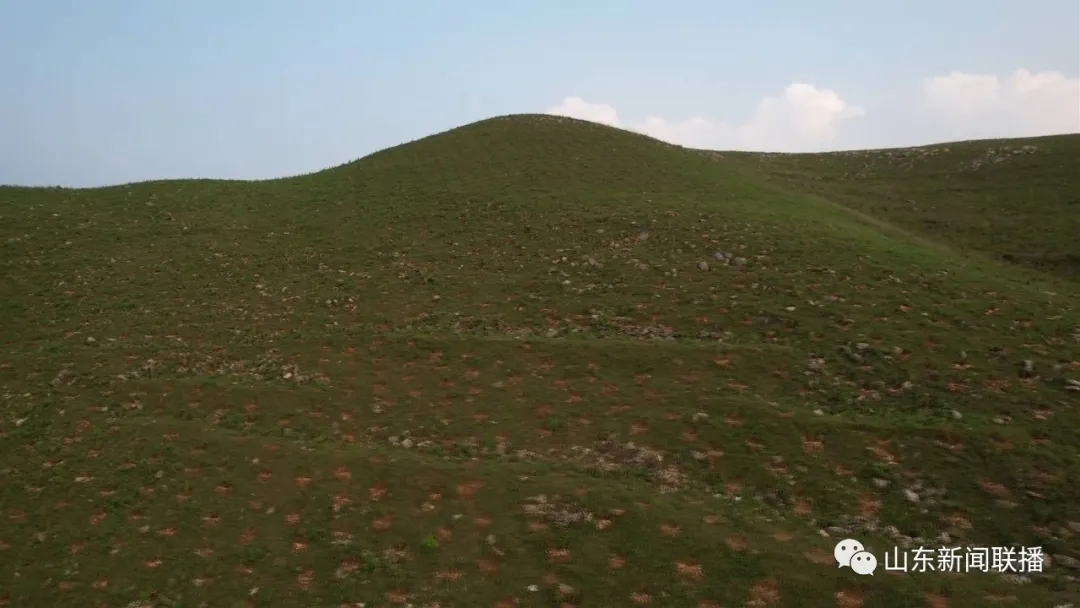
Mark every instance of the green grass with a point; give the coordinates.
(1014, 200)
(489, 368)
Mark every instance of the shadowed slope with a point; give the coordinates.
(1017, 200)
(527, 362)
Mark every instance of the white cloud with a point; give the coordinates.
(803, 117)
(576, 107)
(806, 118)
(1025, 104)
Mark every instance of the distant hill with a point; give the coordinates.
(534, 361)
(1017, 200)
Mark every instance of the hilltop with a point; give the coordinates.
(534, 361)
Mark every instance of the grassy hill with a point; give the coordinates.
(530, 362)
(1015, 200)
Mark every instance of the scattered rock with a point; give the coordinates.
(1027, 368)
(550, 509)
(957, 415)
(880, 483)
(90, 340)
(851, 355)
(740, 261)
(911, 495)
(59, 378)
(565, 591)
(407, 443)
(703, 266)
(1067, 562)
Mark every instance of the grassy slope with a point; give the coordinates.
(1016, 200)
(414, 379)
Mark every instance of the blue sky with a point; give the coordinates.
(110, 91)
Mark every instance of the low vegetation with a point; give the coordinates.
(1017, 201)
(539, 362)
